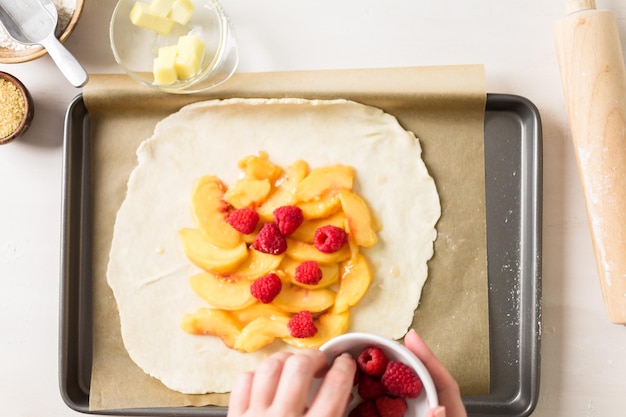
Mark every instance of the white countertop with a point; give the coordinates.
(583, 355)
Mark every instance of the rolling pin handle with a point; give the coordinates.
(573, 6)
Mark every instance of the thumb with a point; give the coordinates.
(439, 411)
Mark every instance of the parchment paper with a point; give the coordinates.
(443, 106)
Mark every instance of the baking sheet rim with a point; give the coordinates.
(523, 403)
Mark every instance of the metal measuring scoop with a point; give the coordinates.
(34, 22)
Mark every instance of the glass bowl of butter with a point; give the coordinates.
(176, 46)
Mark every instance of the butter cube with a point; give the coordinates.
(181, 11)
(164, 69)
(189, 57)
(142, 16)
(192, 43)
(168, 52)
(187, 65)
(161, 7)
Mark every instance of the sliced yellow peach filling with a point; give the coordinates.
(232, 262)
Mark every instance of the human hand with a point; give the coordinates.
(450, 402)
(280, 386)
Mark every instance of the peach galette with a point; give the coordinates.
(256, 225)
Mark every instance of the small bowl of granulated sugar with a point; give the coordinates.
(68, 11)
(16, 108)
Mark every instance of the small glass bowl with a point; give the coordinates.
(135, 48)
(24, 123)
(354, 343)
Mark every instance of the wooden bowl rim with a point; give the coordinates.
(9, 56)
(28, 107)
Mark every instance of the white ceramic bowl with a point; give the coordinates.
(135, 48)
(354, 343)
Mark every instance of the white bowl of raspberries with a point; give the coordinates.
(390, 380)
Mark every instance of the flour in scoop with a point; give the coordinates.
(65, 10)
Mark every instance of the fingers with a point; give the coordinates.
(297, 377)
(240, 395)
(265, 379)
(333, 396)
(447, 387)
(438, 411)
(281, 385)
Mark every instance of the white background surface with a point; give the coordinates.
(583, 369)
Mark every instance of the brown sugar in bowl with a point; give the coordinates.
(11, 56)
(16, 108)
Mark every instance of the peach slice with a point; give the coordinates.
(307, 252)
(320, 207)
(209, 257)
(324, 179)
(359, 218)
(294, 299)
(210, 321)
(247, 192)
(330, 274)
(227, 293)
(356, 278)
(284, 193)
(209, 212)
(261, 332)
(258, 264)
(329, 325)
(260, 167)
(257, 310)
(307, 229)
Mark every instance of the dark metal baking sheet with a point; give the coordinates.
(513, 170)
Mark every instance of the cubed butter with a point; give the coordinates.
(187, 65)
(164, 69)
(142, 16)
(161, 7)
(168, 52)
(192, 43)
(181, 11)
(189, 56)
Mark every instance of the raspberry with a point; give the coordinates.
(288, 219)
(329, 238)
(366, 408)
(301, 325)
(243, 220)
(372, 361)
(308, 272)
(270, 240)
(266, 288)
(391, 407)
(369, 387)
(401, 381)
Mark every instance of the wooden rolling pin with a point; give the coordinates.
(594, 84)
